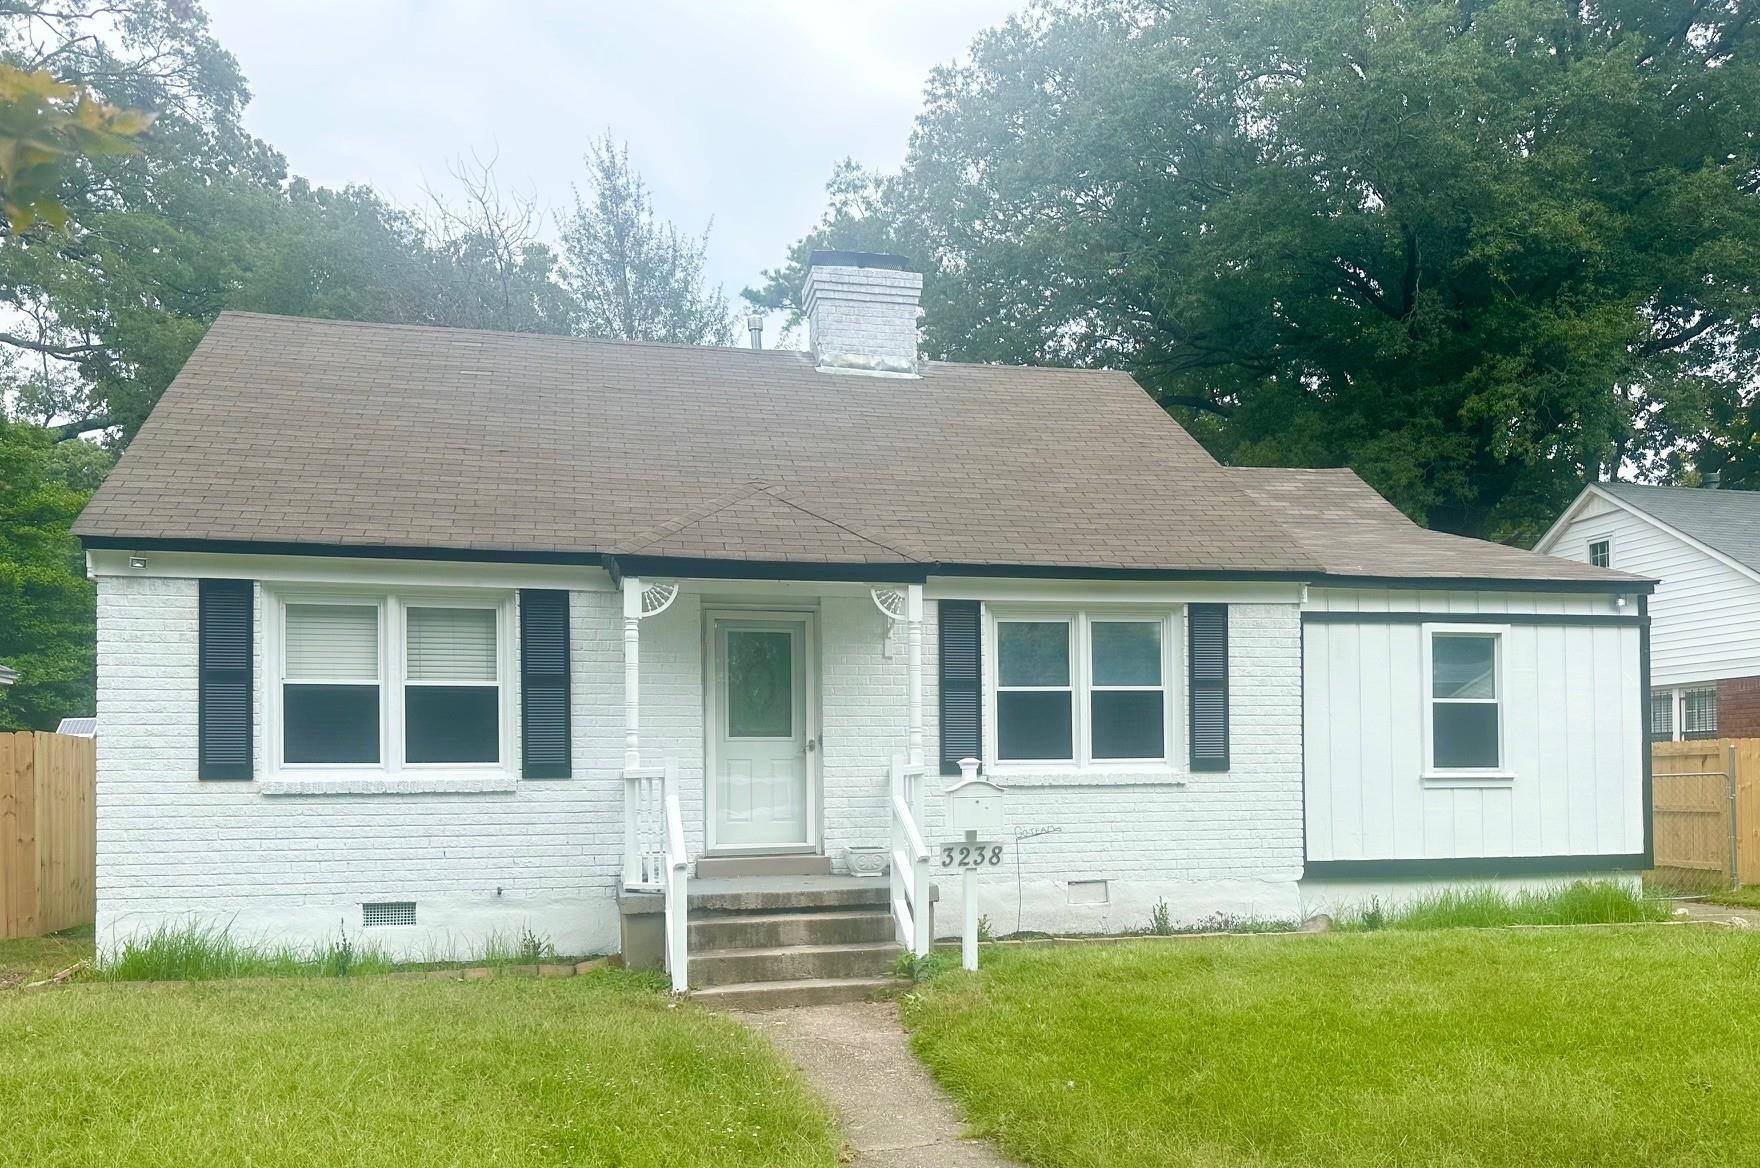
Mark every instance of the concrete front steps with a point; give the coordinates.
(764, 942)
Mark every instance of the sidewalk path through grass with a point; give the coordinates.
(893, 1113)
(1723, 914)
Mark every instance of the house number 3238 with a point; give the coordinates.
(971, 855)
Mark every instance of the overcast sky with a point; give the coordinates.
(736, 110)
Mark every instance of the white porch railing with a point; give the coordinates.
(910, 858)
(654, 855)
(644, 827)
(678, 864)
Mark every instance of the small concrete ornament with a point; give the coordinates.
(974, 807)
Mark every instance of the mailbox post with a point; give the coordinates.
(974, 811)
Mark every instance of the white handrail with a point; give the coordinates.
(644, 828)
(678, 864)
(910, 860)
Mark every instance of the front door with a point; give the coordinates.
(760, 787)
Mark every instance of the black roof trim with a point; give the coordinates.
(1636, 587)
(1471, 866)
(860, 573)
(347, 551)
(903, 573)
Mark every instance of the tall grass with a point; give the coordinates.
(1584, 902)
(194, 951)
(198, 952)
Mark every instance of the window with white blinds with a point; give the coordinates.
(451, 645)
(391, 681)
(452, 698)
(332, 642)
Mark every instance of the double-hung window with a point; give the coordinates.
(1683, 713)
(1465, 716)
(392, 682)
(1080, 687)
(331, 696)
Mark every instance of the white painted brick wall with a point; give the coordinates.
(548, 855)
(1220, 843)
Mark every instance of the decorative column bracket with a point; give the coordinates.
(640, 601)
(906, 604)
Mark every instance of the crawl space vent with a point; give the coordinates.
(388, 912)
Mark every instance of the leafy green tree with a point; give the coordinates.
(1479, 250)
(632, 276)
(46, 615)
(46, 128)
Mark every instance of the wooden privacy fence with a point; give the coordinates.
(1706, 800)
(48, 832)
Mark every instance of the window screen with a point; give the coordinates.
(1034, 699)
(1127, 704)
(1464, 701)
(451, 696)
(330, 690)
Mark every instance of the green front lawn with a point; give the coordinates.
(592, 1070)
(1605, 1046)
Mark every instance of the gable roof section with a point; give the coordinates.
(1727, 522)
(1345, 525)
(283, 433)
(287, 431)
(758, 521)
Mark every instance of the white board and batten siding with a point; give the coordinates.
(1705, 613)
(1572, 733)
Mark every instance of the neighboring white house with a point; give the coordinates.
(1703, 546)
(437, 634)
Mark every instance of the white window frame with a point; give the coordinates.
(1081, 688)
(1677, 700)
(392, 605)
(1499, 635)
(1589, 550)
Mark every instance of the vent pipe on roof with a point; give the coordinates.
(1712, 480)
(755, 326)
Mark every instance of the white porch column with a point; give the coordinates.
(913, 606)
(632, 672)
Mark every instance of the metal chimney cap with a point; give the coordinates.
(857, 259)
(755, 326)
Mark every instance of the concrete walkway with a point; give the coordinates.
(857, 1056)
(1723, 914)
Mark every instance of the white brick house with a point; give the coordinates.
(435, 635)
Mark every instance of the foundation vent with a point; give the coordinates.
(380, 913)
(1088, 892)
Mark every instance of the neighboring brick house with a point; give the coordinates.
(1702, 545)
(437, 635)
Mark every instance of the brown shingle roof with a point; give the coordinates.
(282, 430)
(1350, 530)
(287, 430)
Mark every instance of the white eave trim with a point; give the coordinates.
(1593, 490)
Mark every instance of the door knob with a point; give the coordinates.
(812, 745)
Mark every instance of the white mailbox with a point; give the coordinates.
(973, 804)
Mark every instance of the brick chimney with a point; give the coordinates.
(862, 312)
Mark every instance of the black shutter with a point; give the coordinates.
(961, 693)
(1207, 626)
(223, 662)
(543, 677)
